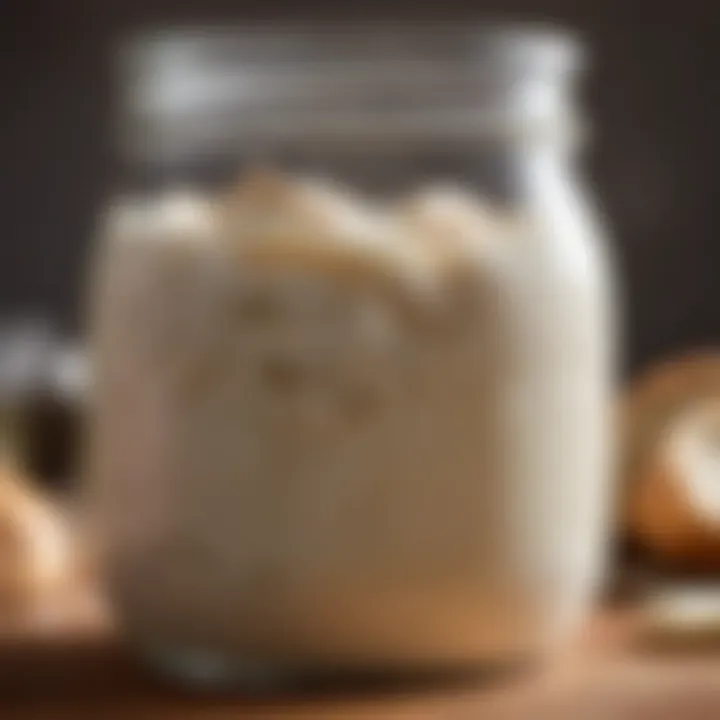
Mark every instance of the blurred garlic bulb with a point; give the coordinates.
(35, 552)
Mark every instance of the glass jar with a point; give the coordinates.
(334, 431)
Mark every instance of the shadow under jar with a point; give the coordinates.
(343, 432)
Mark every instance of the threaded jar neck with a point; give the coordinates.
(195, 91)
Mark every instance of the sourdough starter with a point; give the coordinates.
(327, 430)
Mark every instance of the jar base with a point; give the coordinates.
(207, 670)
(210, 671)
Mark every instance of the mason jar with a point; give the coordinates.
(352, 352)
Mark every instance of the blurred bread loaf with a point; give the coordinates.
(675, 508)
(672, 463)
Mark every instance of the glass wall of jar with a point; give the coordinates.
(352, 351)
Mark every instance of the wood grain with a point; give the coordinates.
(79, 669)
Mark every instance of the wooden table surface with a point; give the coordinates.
(78, 669)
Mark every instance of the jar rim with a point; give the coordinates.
(187, 88)
(542, 45)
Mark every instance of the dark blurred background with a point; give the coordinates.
(654, 158)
